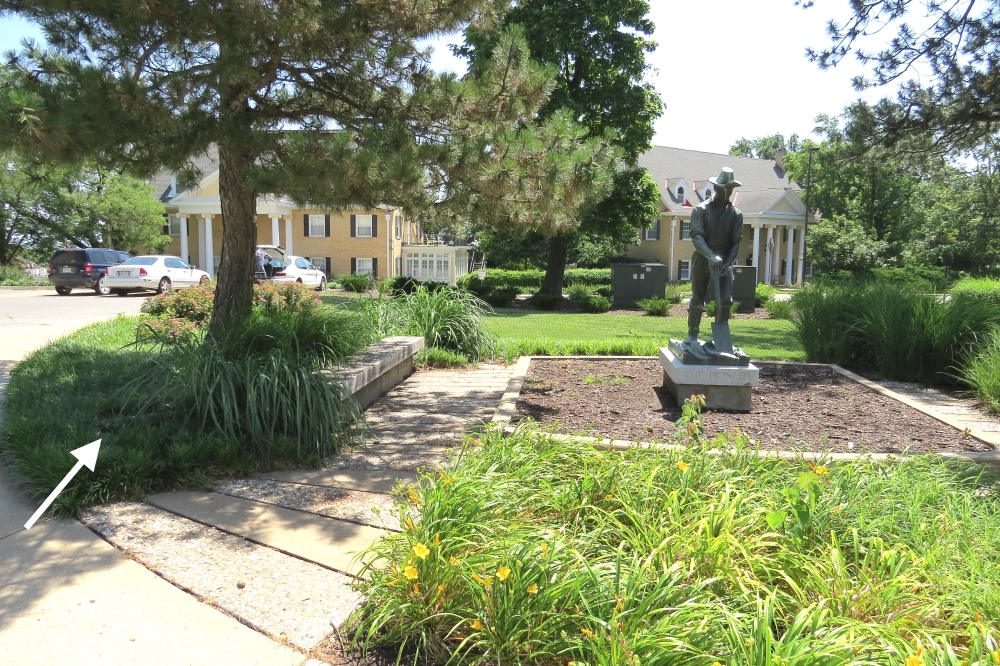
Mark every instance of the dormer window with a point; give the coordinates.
(680, 193)
(708, 193)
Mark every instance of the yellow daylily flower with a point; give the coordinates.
(476, 624)
(532, 589)
(503, 573)
(410, 572)
(421, 551)
(683, 466)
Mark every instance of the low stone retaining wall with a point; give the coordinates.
(379, 367)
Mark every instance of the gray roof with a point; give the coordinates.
(763, 181)
(206, 163)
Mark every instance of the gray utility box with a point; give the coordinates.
(634, 282)
(745, 287)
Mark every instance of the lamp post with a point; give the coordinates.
(805, 229)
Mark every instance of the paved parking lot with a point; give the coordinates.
(30, 318)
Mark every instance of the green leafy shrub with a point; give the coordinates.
(579, 294)
(903, 333)
(193, 304)
(780, 309)
(981, 289)
(524, 281)
(710, 308)
(284, 297)
(12, 276)
(447, 319)
(354, 282)
(534, 550)
(656, 307)
(674, 292)
(763, 294)
(408, 284)
(541, 301)
(603, 291)
(596, 304)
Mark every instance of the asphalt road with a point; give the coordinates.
(30, 318)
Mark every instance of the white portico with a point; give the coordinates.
(773, 213)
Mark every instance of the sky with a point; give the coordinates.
(726, 70)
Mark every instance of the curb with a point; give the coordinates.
(508, 405)
(34, 287)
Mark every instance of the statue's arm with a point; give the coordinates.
(737, 237)
(698, 239)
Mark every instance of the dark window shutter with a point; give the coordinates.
(374, 266)
(679, 264)
(657, 230)
(327, 226)
(354, 229)
(354, 262)
(328, 269)
(166, 229)
(374, 226)
(305, 226)
(680, 231)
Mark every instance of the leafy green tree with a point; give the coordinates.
(765, 147)
(327, 102)
(43, 207)
(597, 49)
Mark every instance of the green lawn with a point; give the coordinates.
(540, 333)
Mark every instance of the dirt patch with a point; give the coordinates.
(794, 407)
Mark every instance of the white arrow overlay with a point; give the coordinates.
(85, 455)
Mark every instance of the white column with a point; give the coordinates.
(756, 252)
(209, 249)
(201, 244)
(789, 256)
(184, 236)
(288, 235)
(768, 254)
(275, 236)
(673, 239)
(802, 254)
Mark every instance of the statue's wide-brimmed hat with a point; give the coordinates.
(725, 179)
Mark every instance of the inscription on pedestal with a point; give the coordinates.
(727, 376)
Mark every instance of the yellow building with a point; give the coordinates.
(381, 241)
(773, 213)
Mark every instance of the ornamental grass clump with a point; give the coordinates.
(446, 318)
(540, 550)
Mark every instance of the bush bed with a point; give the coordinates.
(979, 289)
(12, 276)
(902, 333)
(531, 280)
(540, 551)
(656, 307)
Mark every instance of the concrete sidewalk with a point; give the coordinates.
(67, 596)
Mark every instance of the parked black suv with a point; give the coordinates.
(83, 268)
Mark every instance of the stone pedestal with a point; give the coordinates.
(726, 387)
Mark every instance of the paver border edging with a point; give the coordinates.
(508, 405)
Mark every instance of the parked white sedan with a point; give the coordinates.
(299, 269)
(153, 271)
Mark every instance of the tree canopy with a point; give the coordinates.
(597, 49)
(330, 103)
(44, 207)
(958, 108)
(765, 147)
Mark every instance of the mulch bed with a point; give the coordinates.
(795, 407)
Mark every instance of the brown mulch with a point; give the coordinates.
(794, 407)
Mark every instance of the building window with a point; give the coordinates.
(317, 225)
(443, 263)
(399, 265)
(708, 193)
(808, 271)
(363, 266)
(684, 271)
(784, 266)
(685, 231)
(364, 225)
(399, 226)
(680, 193)
(320, 263)
(175, 225)
(653, 233)
(795, 235)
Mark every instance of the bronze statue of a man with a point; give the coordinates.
(716, 231)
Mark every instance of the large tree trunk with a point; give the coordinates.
(555, 268)
(234, 293)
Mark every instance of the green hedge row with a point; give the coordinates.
(499, 279)
(979, 289)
